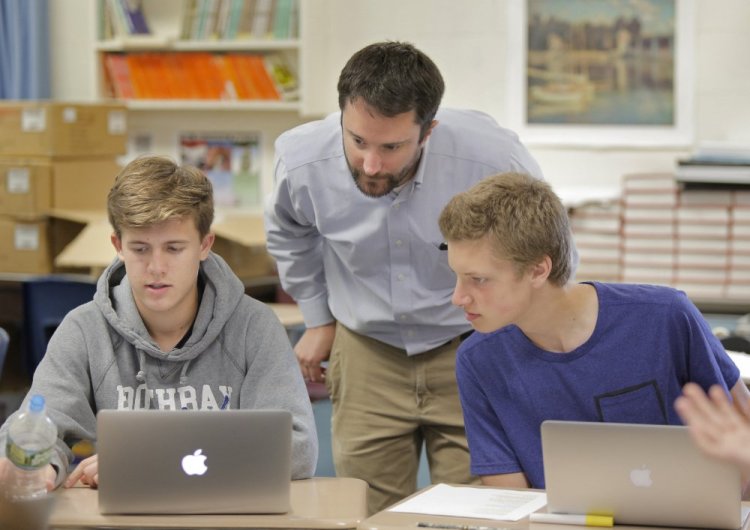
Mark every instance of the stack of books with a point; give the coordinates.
(716, 165)
(703, 241)
(662, 232)
(596, 230)
(738, 284)
(648, 228)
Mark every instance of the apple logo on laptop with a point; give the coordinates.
(194, 464)
(641, 477)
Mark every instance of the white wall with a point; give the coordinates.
(468, 41)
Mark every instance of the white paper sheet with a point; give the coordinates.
(465, 501)
(742, 360)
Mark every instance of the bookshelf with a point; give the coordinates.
(144, 78)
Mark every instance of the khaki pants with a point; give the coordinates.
(385, 405)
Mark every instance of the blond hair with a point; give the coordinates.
(153, 189)
(522, 218)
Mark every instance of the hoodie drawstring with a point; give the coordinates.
(141, 375)
(183, 372)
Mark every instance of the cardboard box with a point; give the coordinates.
(33, 186)
(46, 128)
(240, 240)
(25, 187)
(26, 245)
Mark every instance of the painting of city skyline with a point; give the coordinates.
(601, 62)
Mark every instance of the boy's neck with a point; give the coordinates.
(167, 329)
(562, 318)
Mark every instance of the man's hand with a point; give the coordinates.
(87, 471)
(314, 347)
(7, 469)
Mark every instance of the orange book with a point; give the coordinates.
(191, 88)
(231, 87)
(118, 75)
(208, 75)
(137, 76)
(197, 72)
(243, 75)
(261, 79)
(159, 76)
(175, 79)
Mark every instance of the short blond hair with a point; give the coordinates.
(522, 218)
(153, 189)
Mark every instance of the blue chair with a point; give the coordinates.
(46, 301)
(4, 340)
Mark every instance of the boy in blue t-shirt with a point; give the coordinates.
(549, 348)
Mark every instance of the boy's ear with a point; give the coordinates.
(117, 243)
(540, 271)
(206, 244)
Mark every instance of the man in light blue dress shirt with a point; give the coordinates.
(352, 224)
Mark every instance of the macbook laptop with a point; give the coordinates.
(190, 461)
(651, 475)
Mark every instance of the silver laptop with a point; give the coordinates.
(649, 475)
(189, 461)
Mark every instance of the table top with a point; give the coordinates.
(388, 520)
(317, 503)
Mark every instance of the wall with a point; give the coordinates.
(468, 40)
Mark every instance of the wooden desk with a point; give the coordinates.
(386, 520)
(289, 314)
(317, 503)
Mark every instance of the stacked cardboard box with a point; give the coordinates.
(53, 156)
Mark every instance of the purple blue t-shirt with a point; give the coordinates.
(647, 343)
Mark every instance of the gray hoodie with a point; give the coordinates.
(237, 357)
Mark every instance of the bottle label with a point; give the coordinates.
(27, 459)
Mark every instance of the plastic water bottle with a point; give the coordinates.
(31, 440)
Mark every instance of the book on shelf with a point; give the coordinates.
(648, 244)
(596, 239)
(702, 230)
(696, 245)
(640, 273)
(664, 182)
(648, 229)
(649, 258)
(699, 214)
(706, 197)
(713, 172)
(120, 18)
(640, 213)
(117, 76)
(698, 289)
(282, 75)
(190, 75)
(239, 19)
(702, 260)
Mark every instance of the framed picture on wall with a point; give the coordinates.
(601, 72)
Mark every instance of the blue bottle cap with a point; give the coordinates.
(37, 403)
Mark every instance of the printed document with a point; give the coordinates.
(465, 501)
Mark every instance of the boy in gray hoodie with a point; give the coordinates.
(169, 327)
